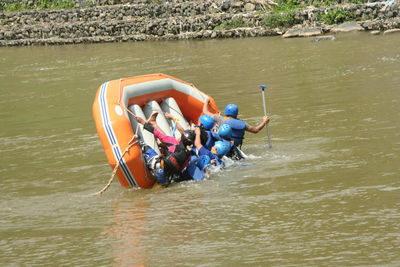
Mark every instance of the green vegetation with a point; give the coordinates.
(283, 19)
(287, 6)
(156, 2)
(292, 5)
(336, 16)
(36, 4)
(234, 23)
(283, 15)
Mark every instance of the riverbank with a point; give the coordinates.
(190, 20)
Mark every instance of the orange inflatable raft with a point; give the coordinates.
(118, 102)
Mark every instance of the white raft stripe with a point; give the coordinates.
(111, 136)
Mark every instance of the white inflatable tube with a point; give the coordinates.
(146, 136)
(162, 122)
(169, 105)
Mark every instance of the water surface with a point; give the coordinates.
(326, 194)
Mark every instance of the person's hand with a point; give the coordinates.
(197, 130)
(140, 120)
(213, 161)
(169, 116)
(153, 116)
(266, 120)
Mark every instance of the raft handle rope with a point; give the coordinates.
(130, 144)
(116, 167)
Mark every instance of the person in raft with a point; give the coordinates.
(239, 127)
(208, 136)
(219, 149)
(225, 132)
(176, 153)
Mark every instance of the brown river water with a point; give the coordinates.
(326, 194)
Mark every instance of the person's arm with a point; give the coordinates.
(178, 126)
(205, 107)
(197, 140)
(140, 120)
(152, 127)
(256, 129)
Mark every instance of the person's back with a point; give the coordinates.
(239, 127)
(216, 153)
(208, 137)
(225, 132)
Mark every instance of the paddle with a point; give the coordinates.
(242, 154)
(265, 114)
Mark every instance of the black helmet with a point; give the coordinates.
(188, 137)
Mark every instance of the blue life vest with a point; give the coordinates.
(238, 130)
(211, 138)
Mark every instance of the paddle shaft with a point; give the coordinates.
(265, 114)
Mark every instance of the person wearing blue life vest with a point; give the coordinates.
(196, 170)
(225, 132)
(239, 127)
(216, 153)
(208, 137)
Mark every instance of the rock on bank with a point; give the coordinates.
(186, 20)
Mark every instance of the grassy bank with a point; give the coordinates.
(284, 14)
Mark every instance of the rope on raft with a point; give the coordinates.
(116, 167)
(119, 161)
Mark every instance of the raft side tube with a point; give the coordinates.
(159, 86)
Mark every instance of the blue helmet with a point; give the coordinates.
(160, 175)
(207, 121)
(231, 110)
(225, 131)
(203, 161)
(221, 148)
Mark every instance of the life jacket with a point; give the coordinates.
(238, 129)
(175, 161)
(207, 138)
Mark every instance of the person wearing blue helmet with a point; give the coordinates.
(217, 151)
(225, 132)
(208, 137)
(239, 127)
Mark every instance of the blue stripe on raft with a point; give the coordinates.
(105, 115)
(117, 151)
(111, 137)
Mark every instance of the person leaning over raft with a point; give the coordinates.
(218, 150)
(208, 136)
(239, 127)
(225, 132)
(176, 153)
